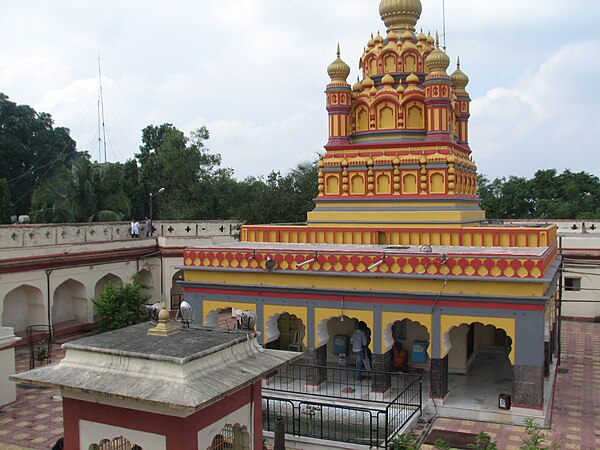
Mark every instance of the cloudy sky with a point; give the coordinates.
(254, 71)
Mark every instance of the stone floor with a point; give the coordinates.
(34, 421)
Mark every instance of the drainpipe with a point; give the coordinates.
(48, 272)
(560, 294)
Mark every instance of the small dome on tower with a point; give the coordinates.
(392, 37)
(400, 14)
(387, 79)
(338, 70)
(458, 77)
(412, 79)
(378, 39)
(357, 87)
(368, 82)
(430, 40)
(422, 37)
(437, 61)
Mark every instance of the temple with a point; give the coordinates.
(397, 240)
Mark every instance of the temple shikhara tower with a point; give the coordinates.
(397, 240)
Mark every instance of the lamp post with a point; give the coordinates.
(160, 191)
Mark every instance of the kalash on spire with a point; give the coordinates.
(398, 153)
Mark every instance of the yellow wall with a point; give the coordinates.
(482, 288)
(210, 305)
(388, 318)
(298, 311)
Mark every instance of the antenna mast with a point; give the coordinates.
(444, 25)
(101, 114)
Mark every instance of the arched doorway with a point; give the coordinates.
(102, 282)
(176, 294)
(285, 331)
(70, 303)
(479, 364)
(414, 338)
(24, 306)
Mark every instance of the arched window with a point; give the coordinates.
(386, 116)
(414, 116)
(409, 184)
(332, 185)
(231, 437)
(118, 443)
(362, 119)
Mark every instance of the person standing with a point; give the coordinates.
(135, 228)
(148, 227)
(359, 341)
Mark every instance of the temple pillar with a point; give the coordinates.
(316, 362)
(438, 383)
(528, 386)
(381, 378)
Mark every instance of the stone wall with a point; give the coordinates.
(28, 235)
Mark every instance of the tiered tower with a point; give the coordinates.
(398, 153)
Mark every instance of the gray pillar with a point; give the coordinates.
(381, 379)
(439, 377)
(316, 360)
(528, 386)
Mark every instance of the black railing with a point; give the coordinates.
(395, 399)
(320, 420)
(403, 408)
(340, 382)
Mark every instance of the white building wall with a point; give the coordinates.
(92, 433)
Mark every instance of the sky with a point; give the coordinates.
(254, 73)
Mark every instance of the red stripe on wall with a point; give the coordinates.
(181, 432)
(359, 299)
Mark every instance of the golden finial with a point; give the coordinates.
(338, 50)
(437, 40)
(458, 62)
(164, 327)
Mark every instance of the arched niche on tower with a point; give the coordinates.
(437, 183)
(410, 61)
(332, 184)
(362, 118)
(386, 115)
(384, 185)
(409, 183)
(372, 65)
(415, 115)
(389, 61)
(357, 184)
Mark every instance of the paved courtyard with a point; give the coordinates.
(34, 421)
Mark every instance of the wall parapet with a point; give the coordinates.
(30, 235)
(488, 236)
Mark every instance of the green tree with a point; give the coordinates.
(122, 306)
(184, 167)
(32, 150)
(87, 193)
(5, 204)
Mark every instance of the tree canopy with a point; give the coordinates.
(548, 195)
(32, 151)
(42, 174)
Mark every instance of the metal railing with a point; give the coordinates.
(340, 382)
(378, 418)
(327, 421)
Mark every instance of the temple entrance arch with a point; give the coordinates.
(285, 331)
(176, 292)
(223, 314)
(70, 302)
(115, 280)
(23, 306)
(479, 355)
(413, 332)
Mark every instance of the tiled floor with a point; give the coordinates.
(34, 421)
